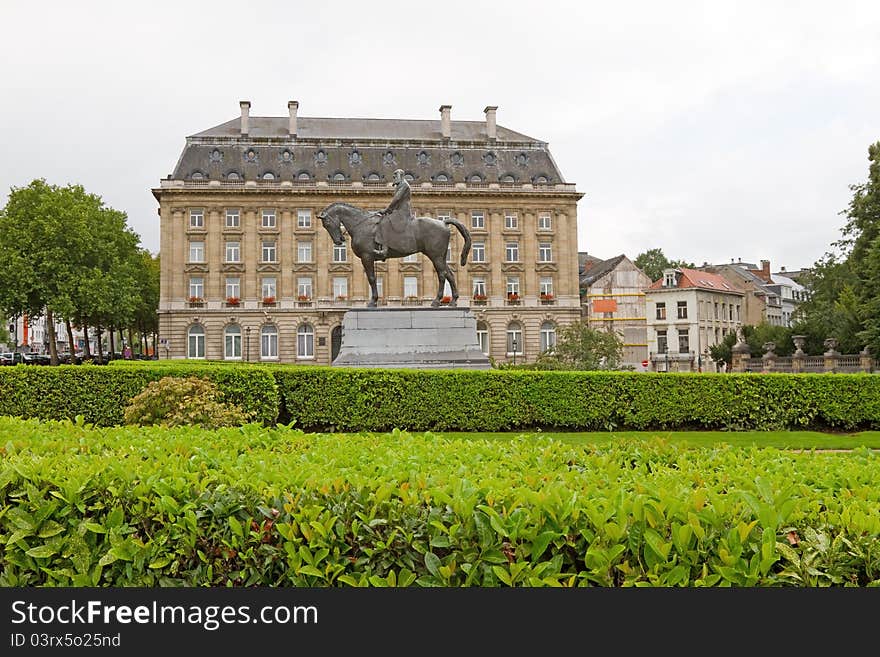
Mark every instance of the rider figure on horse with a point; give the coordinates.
(393, 230)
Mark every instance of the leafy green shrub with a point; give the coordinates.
(175, 401)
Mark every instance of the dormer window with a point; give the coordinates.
(669, 278)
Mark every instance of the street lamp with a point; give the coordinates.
(666, 355)
(247, 333)
(514, 350)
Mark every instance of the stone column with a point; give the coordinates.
(769, 358)
(866, 360)
(739, 352)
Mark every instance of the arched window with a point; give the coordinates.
(303, 175)
(339, 177)
(541, 179)
(195, 342)
(441, 177)
(507, 179)
(374, 177)
(408, 177)
(232, 342)
(514, 339)
(197, 175)
(483, 336)
(548, 336)
(268, 176)
(232, 175)
(269, 342)
(476, 178)
(305, 341)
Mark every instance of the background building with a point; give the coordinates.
(613, 299)
(688, 311)
(248, 273)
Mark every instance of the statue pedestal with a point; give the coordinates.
(418, 338)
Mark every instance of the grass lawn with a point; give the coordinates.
(780, 439)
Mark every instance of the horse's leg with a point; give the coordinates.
(370, 269)
(452, 286)
(439, 262)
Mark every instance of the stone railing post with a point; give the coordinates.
(768, 360)
(831, 355)
(798, 358)
(739, 353)
(866, 360)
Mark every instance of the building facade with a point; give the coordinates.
(613, 299)
(248, 272)
(689, 311)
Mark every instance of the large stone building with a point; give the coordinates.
(248, 272)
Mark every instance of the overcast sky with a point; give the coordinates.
(710, 130)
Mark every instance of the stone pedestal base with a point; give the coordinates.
(418, 338)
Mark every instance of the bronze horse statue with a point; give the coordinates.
(431, 237)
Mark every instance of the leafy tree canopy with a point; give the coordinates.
(653, 262)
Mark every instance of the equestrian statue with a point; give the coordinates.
(395, 233)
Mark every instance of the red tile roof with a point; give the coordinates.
(700, 279)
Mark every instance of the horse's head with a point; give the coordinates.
(329, 217)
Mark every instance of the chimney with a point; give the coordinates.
(245, 111)
(765, 270)
(491, 133)
(292, 107)
(446, 121)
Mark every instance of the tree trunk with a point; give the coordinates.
(87, 348)
(72, 346)
(100, 343)
(111, 332)
(53, 345)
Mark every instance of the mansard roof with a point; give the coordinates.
(356, 149)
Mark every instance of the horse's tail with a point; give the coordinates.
(465, 233)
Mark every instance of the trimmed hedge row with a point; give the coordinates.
(344, 399)
(100, 394)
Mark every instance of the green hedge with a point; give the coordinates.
(255, 506)
(498, 400)
(100, 394)
(344, 399)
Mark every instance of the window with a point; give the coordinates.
(195, 338)
(340, 253)
(682, 310)
(548, 336)
(441, 177)
(233, 288)
(661, 310)
(737, 313)
(303, 251)
(511, 221)
(662, 347)
(514, 339)
(483, 337)
(304, 175)
(683, 343)
(197, 287)
(478, 252)
(304, 287)
(410, 286)
(449, 253)
(443, 215)
(232, 342)
(269, 219)
(546, 286)
(545, 252)
(269, 252)
(476, 179)
(303, 218)
(478, 219)
(716, 310)
(412, 257)
(479, 287)
(233, 219)
(340, 287)
(196, 218)
(233, 251)
(232, 175)
(380, 286)
(269, 342)
(544, 221)
(511, 252)
(339, 177)
(305, 341)
(512, 285)
(269, 287)
(669, 279)
(196, 251)
(268, 176)
(730, 310)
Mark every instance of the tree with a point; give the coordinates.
(653, 262)
(579, 347)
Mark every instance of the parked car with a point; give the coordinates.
(7, 358)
